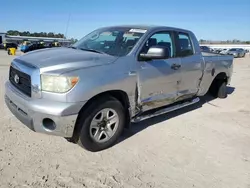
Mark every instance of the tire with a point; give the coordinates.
(218, 89)
(222, 90)
(87, 139)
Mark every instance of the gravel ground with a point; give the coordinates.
(206, 145)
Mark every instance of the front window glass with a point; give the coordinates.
(113, 41)
(163, 39)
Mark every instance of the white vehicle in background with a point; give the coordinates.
(224, 52)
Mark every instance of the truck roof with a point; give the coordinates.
(150, 27)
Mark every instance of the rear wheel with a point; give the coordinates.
(102, 124)
(222, 90)
(219, 89)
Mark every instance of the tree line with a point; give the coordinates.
(235, 41)
(35, 34)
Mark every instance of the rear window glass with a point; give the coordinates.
(185, 45)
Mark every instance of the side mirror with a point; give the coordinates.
(156, 52)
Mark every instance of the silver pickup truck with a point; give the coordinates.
(89, 92)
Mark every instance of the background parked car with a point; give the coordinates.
(34, 46)
(9, 45)
(205, 49)
(1, 46)
(218, 50)
(237, 52)
(224, 51)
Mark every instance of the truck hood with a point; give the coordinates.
(60, 60)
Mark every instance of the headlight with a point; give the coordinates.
(58, 84)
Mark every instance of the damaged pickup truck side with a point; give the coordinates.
(89, 92)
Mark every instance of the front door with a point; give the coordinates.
(158, 79)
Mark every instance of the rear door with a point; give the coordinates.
(158, 78)
(191, 66)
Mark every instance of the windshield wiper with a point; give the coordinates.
(92, 50)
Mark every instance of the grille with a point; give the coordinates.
(22, 81)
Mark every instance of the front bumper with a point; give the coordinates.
(34, 113)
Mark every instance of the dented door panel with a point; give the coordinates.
(158, 82)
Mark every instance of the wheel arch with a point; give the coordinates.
(120, 95)
(208, 80)
(218, 79)
(221, 76)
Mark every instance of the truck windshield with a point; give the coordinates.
(112, 41)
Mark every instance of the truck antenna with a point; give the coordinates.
(67, 26)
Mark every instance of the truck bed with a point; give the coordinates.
(214, 64)
(216, 58)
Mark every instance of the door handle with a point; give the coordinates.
(175, 66)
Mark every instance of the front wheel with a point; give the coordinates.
(102, 124)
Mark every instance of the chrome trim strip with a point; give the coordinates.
(165, 110)
(34, 73)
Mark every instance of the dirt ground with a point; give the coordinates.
(206, 145)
